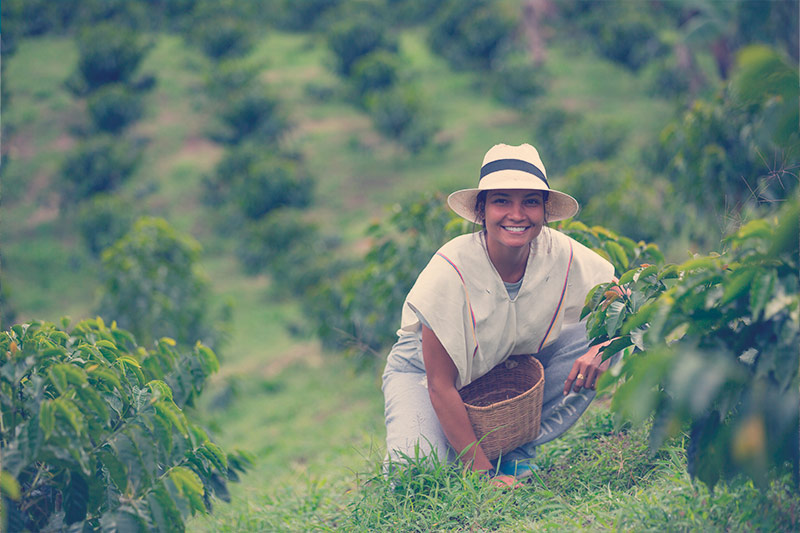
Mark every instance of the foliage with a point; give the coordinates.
(712, 344)
(94, 435)
(99, 164)
(567, 139)
(251, 113)
(625, 32)
(351, 38)
(471, 34)
(625, 202)
(302, 15)
(740, 143)
(222, 35)
(114, 107)
(254, 181)
(401, 114)
(152, 285)
(102, 220)
(108, 53)
(516, 80)
(360, 309)
(376, 71)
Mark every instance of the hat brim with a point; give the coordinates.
(559, 205)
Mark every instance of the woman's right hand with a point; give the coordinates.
(505, 482)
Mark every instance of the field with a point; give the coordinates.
(313, 422)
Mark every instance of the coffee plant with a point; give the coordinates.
(711, 348)
(93, 432)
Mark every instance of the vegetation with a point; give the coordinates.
(94, 435)
(320, 176)
(717, 338)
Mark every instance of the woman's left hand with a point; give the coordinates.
(586, 369)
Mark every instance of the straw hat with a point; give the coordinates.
(513, 167)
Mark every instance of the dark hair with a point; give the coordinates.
(480, 206)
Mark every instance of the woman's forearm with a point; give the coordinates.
(447, 403)
(456, 426)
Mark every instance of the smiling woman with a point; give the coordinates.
(516, 287)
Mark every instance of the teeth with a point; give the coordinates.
(515, 229)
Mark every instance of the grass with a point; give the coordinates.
(595, 478)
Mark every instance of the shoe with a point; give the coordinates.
(519, 469)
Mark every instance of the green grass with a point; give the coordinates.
(326, 477)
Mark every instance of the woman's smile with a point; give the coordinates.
(514, 217)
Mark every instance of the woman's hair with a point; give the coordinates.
(480, 206)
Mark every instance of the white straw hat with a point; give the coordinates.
(513, 167)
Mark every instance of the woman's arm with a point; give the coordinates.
(447, 403)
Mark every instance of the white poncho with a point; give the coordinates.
(460, 288)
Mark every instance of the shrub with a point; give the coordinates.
(114, 107)
(302, 15)
(377, 71)
(567, 139)
(108, 53)
(102, 220)
(400, 115)
(93, 434)
(353, 37)
(153, 287)
(99, 164)
(711, 345)
(254, 182)
(515, 80)
(359, 308)
(471, 33)
(222, 36)
(252, 114)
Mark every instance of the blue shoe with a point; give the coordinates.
(519, 469)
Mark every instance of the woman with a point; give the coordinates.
(516, 287)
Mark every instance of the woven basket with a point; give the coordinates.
(505, 405)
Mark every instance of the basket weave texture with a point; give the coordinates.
(505, 405)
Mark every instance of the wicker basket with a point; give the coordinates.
(505, 405)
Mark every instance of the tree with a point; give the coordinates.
(108, 53)
(94, 435)
(153, 287)
(711, 349)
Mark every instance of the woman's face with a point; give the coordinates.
(514, 217)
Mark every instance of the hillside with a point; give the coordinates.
(313, 423)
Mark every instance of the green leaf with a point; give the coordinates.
(647, 271)
(47, 418)
(737, 283)
(9, 486)
(617, 253)
(615, 346)
(210, 361)
(627, 277)
(615, 314)
(116, 470)
(701, 263)
(71, 413)
(58, 377)
(669, 272)
(189, 487)
(163, 510)
(761, 289)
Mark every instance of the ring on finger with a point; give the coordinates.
(580, 377)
